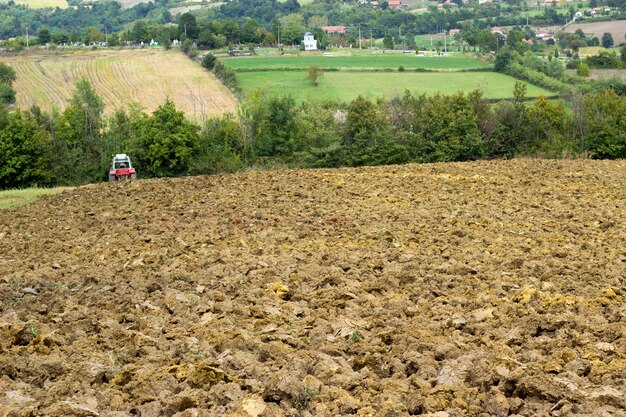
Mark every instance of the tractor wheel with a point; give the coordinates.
(133, 176)
(111, 178)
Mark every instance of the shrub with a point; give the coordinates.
(208, 61)
(503, 60)
(227, 75)
(22, 148)
(604, 60)
(186, 45)
(605, 124)
(535, 77)
(166, 142)
(7, 94)
(583, 70)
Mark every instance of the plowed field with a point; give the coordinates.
(145, 77)
(476, 289)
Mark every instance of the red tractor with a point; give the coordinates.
(121, 169)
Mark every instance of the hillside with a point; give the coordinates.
(487, 288)
(144, 76)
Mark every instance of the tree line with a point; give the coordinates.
(261, 21)
(75, 146)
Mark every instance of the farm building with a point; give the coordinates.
(394, 4)
(310, 43)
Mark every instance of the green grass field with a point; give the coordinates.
(354, 62)
(345, 86)
(15, 198)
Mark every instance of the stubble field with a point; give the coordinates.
(40, 4)
(142, 76)
(475, 289)
(617, 29)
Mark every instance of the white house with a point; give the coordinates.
(310, 44)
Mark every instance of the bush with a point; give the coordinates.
(573, 64)
(186, 45)
(22, 147)
(7, 94)
(227, 75)
(605, 60)
(7, 74)
(535, 77)
(166, 142)
(503, 60)
(220, 147)
(605, 124)
(583, 70)
(208, 61)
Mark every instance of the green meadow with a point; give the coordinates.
(345, 86)
(379, 61)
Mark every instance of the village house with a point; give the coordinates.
(310, 43)
(454, 32)
(394, 4)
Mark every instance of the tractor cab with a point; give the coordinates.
(121, 168)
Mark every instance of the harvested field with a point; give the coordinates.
(598, 74)
(476, 289)
(617, 29)
(121, 77)
(40, 4)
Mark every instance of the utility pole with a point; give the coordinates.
(359, 38)
(445, 46)
(371, 39)
(106, 36)
(27, 44)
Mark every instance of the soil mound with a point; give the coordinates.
(475, 289)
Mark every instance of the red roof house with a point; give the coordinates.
(334, 29)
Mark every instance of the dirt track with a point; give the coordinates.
(478, 289)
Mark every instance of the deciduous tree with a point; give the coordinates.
(314, 74)
(165, 143)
